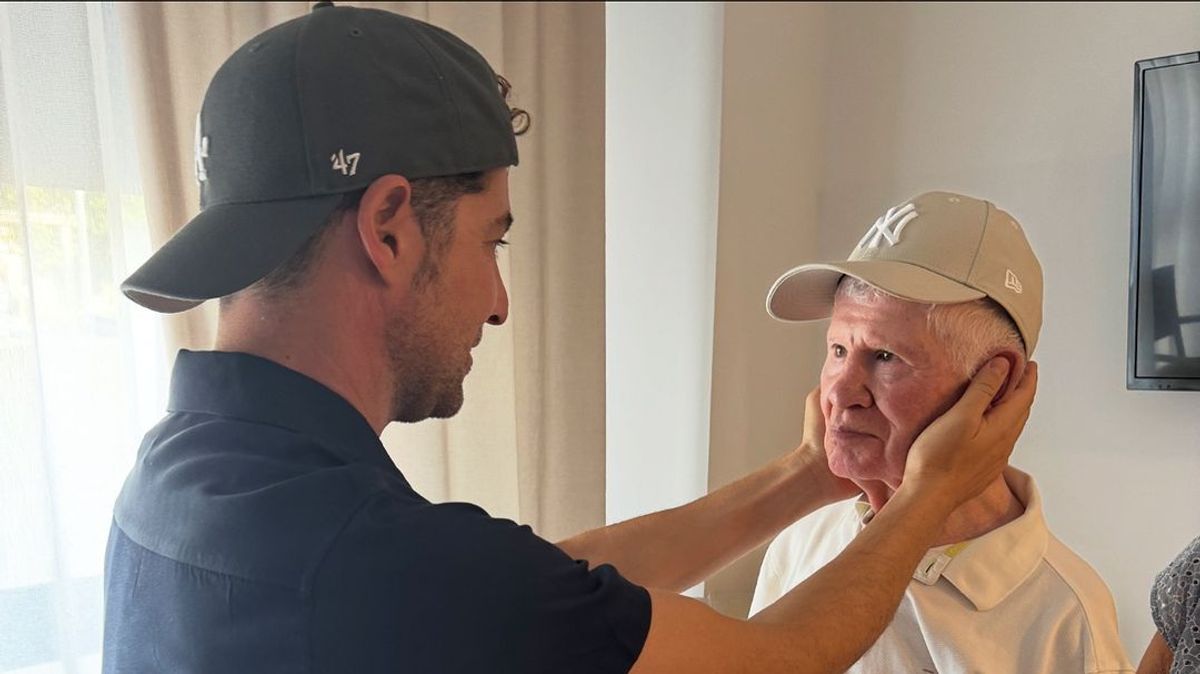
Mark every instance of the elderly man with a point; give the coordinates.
(939, 285)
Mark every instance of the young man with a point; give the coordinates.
(355, 188)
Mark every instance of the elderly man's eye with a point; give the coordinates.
(839, 351)
(884, 356)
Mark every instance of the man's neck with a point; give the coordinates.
(992, 509)
(304, 346)
(996, 506)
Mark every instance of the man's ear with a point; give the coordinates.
(1016, 370)
(389, 231)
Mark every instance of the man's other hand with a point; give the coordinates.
(965, 449)
(811, 454)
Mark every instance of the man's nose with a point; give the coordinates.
(500, 308)
(847, 386)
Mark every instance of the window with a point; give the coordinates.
(81, 371)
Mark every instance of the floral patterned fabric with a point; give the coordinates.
(1175, 607)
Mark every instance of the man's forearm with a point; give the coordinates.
(678, 548)
(842, 609)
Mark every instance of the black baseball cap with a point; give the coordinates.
(305, 112)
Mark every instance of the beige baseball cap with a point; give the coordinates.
(936, 248)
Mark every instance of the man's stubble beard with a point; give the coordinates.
(426, 382)
(425, 387)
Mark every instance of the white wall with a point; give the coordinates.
(772, 163)
(663, 131)
(1030, 106)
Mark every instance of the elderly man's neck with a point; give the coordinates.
(992, 509)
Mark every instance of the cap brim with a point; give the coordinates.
(224, 249)
(806, 292)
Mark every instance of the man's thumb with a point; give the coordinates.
(987, 383)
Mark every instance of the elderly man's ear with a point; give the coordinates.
(1016, 370)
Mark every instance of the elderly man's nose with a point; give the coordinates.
(847, 388)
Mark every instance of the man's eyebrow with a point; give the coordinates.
(505, 221)
(881, 341)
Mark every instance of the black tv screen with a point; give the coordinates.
(1164, 278)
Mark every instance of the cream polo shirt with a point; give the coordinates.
(1013, 600)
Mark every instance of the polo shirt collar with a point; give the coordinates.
(987, 569)
(254, 389)
(992, 566)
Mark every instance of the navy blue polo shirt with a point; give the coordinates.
(265, 529)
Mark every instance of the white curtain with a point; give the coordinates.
(81, 377)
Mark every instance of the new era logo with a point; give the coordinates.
(889, 226)
(1012, 282)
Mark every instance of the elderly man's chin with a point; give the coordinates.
(858, 460)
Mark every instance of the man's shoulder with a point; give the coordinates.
(1082, 581)
(456, 539)
(1085, 592)
(802, 548)
(827, 530)
(245, 499)
(449, 584)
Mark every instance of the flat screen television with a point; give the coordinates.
(1164, 276)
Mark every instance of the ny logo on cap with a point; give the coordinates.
(889, 226)
(201, 150)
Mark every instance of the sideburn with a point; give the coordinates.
(429, 269)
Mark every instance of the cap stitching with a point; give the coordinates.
(297, 83)
(979, 246)
(433, 63)
(1020, 323)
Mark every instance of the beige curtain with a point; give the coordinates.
(529, 443)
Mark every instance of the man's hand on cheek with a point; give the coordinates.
(966, 448)
(811, 453)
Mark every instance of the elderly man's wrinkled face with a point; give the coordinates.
(884, 380)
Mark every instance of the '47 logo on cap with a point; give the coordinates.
(346, 163)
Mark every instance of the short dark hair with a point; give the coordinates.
(432, 199)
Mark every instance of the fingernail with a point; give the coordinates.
(999, 365)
